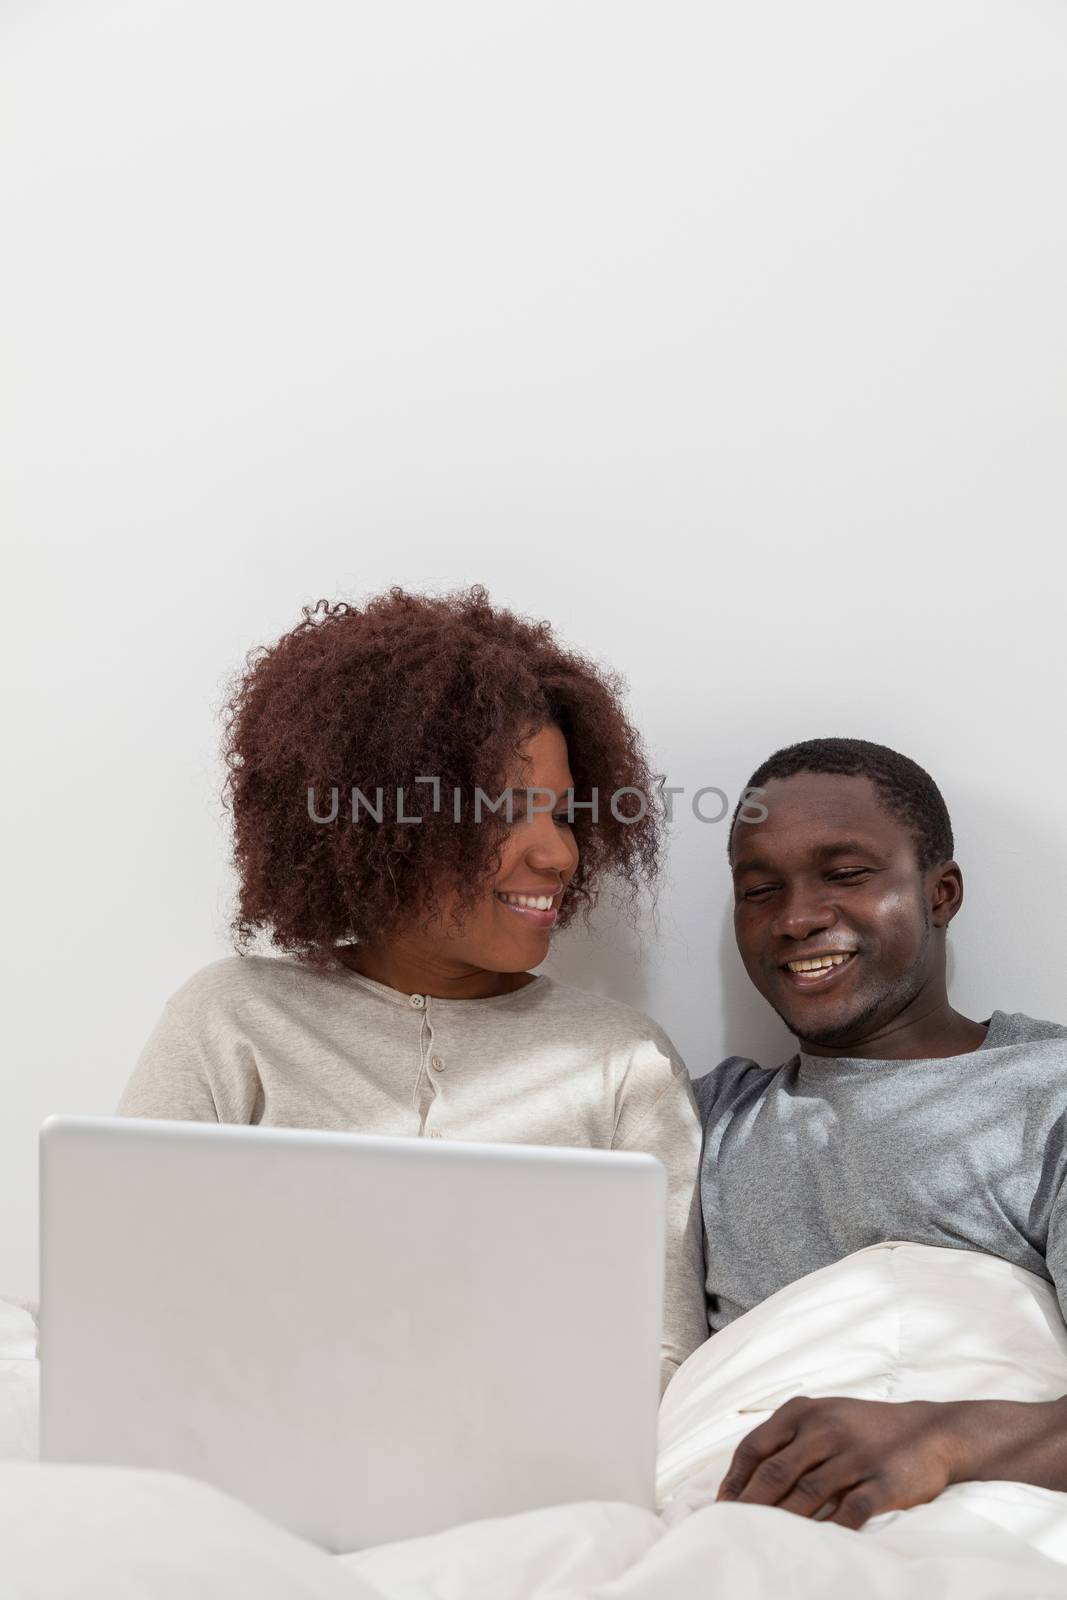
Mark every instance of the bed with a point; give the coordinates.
(896, 1321)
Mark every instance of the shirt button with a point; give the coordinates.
(418, 1001)
(437, 1064)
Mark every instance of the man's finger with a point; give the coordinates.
(776, 1477)
(817, 1491)
(766, 1440)
(858, 1506)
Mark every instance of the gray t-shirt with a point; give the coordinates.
(805, 1163)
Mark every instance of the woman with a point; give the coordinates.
(405, 1002)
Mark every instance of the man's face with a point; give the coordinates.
(831, 877)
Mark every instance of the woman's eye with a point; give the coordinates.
(562, 819)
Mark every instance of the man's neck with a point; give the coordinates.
(919, 1032)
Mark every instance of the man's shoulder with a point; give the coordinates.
(1017, 1027)
(720, 1088)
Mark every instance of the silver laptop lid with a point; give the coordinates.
(365, 1338)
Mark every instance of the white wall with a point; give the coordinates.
(729, 337)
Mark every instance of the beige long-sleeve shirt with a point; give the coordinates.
(264, 1039)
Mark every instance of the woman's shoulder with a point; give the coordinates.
(601, 1016)
(221, 988)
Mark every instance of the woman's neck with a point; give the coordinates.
(422, 972)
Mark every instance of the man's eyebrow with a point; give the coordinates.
(821, 852)
(755, 864)
(846, 847)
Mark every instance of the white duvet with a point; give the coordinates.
(897, 1321)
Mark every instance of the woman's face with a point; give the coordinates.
(507, 931)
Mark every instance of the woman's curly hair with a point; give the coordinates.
(411, 685)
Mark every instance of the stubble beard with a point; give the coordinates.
(884, 1007)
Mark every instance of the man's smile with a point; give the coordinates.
(817, 971)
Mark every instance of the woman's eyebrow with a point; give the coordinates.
(519, 797)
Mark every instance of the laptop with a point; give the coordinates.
(364, 1338)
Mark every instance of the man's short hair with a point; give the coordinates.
(909, 793)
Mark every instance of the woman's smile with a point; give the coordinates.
(540, 909)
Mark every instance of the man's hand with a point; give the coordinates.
(848, 1460)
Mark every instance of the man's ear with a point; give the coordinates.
(945, 884)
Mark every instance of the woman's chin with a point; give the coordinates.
(520, 956)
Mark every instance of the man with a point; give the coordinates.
(899, 1118)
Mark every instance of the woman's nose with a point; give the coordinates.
(553, 848)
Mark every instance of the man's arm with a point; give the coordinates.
(849, 1460)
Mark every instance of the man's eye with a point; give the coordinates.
(759, 893)
(846, 874)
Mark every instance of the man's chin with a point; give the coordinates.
(828, 1029)
(839, 1023)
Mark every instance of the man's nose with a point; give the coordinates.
(803, 913)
